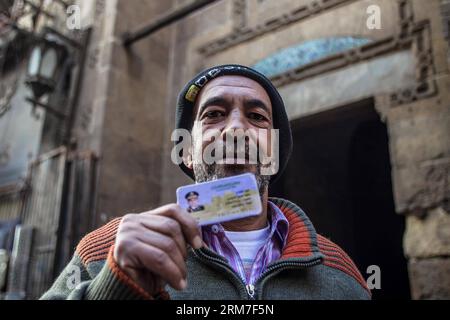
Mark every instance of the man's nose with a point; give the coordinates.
(236, 120)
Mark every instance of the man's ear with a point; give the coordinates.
(187, 158)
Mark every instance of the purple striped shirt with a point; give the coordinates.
(215, 238)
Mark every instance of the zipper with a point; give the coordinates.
(280, 266)
(250, 290)
(222, 262)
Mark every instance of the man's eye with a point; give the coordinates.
(257, 116)
(213, 114)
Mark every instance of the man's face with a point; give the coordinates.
(193, 201)
(224, 105)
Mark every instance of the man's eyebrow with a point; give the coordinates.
(256, 103)
(224, 102)
(213, 101)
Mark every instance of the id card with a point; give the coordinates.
(221, 200)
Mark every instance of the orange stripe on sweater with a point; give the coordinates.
(109, 228)
(333, 249)
(339, 254)
(342, 260)
(340, 267)
(91, 245)
(123, 277)
(335, 257)
(345, 268)
(105, 229)
(336, 249)
(95, 245)
(99, 255)
(298, 243)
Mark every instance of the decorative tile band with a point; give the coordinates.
(305, 53)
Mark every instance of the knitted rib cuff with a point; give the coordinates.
(112, 283)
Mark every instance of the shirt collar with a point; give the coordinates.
(279, 224)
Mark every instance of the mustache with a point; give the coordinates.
(238, 151)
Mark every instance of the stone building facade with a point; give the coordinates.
(366, 87)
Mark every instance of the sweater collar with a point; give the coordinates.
(301, 240)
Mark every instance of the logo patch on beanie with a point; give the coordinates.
(199, 83)
(192, 93)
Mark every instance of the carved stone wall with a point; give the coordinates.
(121, 108)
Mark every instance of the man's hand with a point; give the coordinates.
(151, 247)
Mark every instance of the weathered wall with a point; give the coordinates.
(121, 112)
(420, 147)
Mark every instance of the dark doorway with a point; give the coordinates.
(340, 175)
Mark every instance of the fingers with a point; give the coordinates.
(160, 263)
(154, 244)
(168, 246)
(168, 227)
(188, 224)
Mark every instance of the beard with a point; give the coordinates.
(208, 172)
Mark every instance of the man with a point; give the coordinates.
(192, 199)
(163, 254)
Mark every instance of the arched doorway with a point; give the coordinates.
(340, 175)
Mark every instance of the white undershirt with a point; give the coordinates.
(248, 243)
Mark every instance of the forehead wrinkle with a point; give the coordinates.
(233, 85)
(222, 92)
(233, 82)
